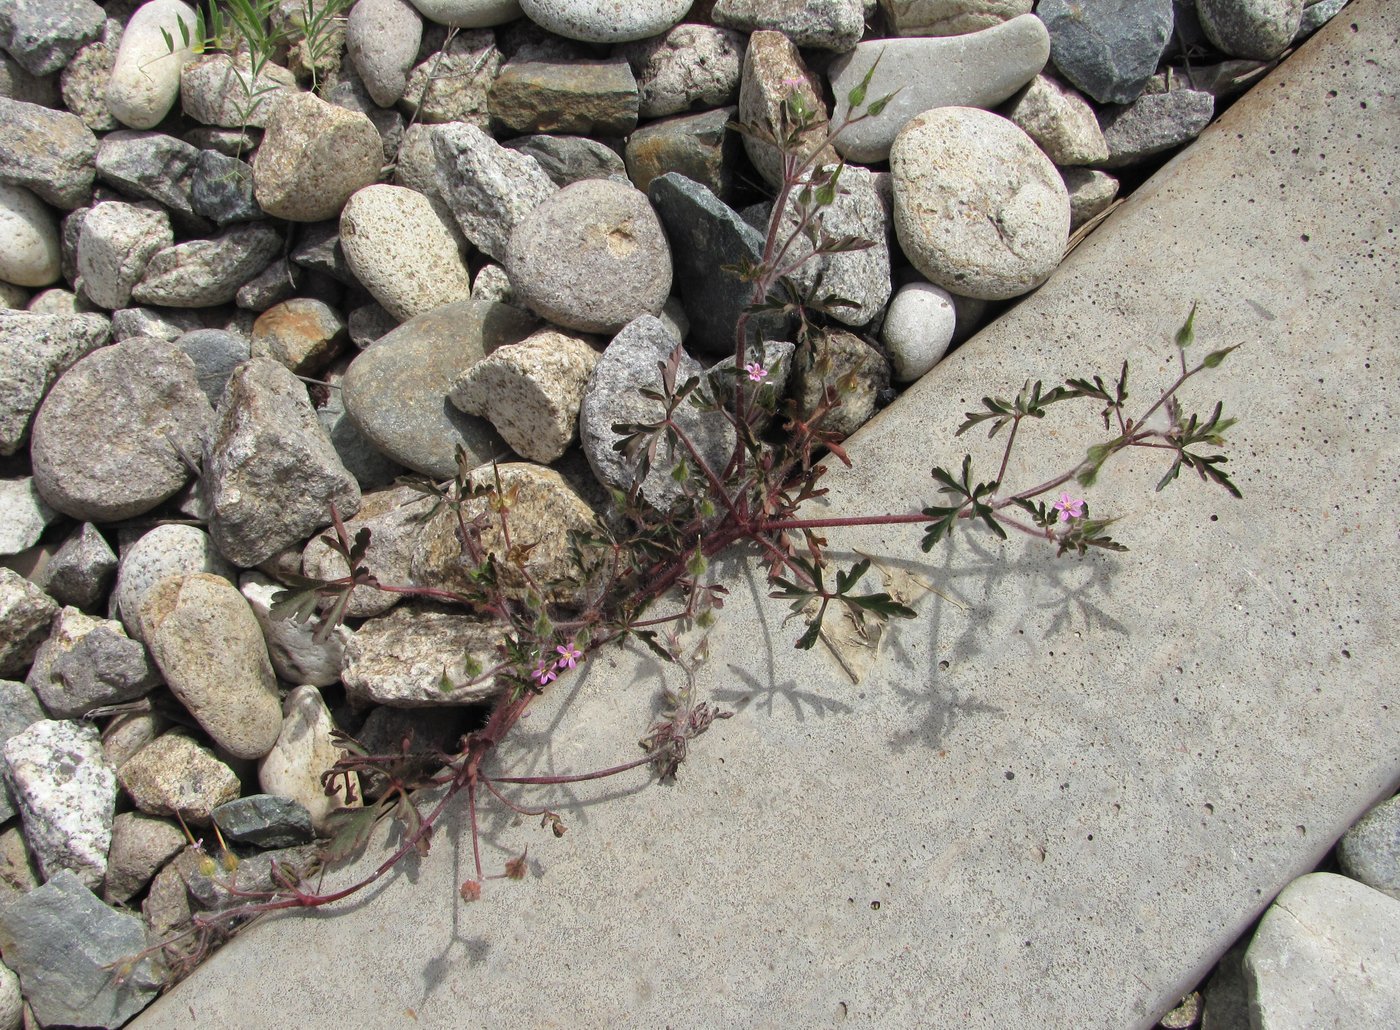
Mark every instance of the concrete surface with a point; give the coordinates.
(1054, 803)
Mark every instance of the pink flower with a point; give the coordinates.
(1069, 507)
(544, 672)
(757, 373)
(568, 656)
(794, 82)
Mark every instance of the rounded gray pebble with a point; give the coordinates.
(117, 433)
(592, 257)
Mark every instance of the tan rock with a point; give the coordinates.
(304, 750)
(173, 775)
(585, 97)
(531, 391)
(313, 157)
(422, 655)
(773, 72)
(542, 512)
(303, 334)
(208, 645)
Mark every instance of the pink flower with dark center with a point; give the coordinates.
(1069, 507)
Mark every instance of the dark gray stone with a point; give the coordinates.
(103, 668)
(629, 364)
(386, 731)
(396, 390)
(370, 468)
(229, 142)
(567, 159)
(1186, 27)
(318, 250)
(63, 942)
(1109, 48)
(1226, 1005)
(221, 189)
(254, 874)
(271, 472)
(1153, 123)
(116, 435)
(163, 324)
(153, 166)
(705, 235)
(18, 84)
(215, 353)
(1370, 850)
(279, 281)
(46, 151)
(43, 34)
(265, 821)
(82, 570)
(1220, 80)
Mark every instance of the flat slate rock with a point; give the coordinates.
(1139, 765)
(706, 234)
(62, 940)
(980, 69)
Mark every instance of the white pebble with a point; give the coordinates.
(918, 328)
(145, 79)
(29, 251)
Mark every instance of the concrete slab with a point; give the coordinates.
(1054, 802)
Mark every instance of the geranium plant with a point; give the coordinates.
(644, 573)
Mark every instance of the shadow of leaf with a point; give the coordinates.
(763, 697)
